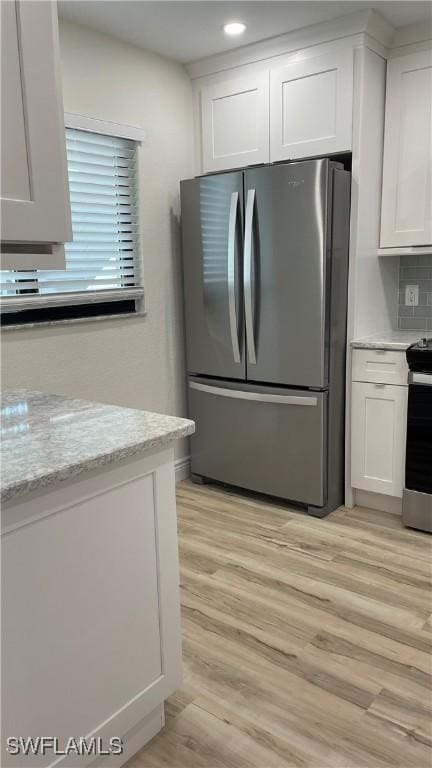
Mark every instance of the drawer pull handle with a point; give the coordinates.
(260, 397)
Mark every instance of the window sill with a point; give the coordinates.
(72, 321)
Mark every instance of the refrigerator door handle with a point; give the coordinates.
(260, 397)
(232, 227)
(249, 318)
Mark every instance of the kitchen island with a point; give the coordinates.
(91, 643)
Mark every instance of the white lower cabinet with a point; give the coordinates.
(378, 432)
(91, 642)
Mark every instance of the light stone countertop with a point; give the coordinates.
(50, 438)
(397, 340)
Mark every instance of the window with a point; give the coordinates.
(102, 274)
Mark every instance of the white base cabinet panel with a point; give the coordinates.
(311, 105)
(406, 211)
(379, 501)
(235, 122)
(90, 606)
(378, 434)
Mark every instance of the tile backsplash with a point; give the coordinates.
(416, 270)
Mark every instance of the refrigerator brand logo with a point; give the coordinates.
(295, 183)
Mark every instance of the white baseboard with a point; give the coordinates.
(182, 468)
(378, 501)
(134, 740)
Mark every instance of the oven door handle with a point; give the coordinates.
(420, 378)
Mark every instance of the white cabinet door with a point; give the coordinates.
(406, 211)
(34, 188)
(311, 106)
(378, 433)
(91, 610)
(235, 122)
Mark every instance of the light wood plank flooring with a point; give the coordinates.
(306, 642)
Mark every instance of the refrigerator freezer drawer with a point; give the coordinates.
(265, 439)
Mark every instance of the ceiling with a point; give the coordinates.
(187, 31)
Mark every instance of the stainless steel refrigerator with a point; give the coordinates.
(265, 265)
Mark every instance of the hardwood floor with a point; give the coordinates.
(306, 642)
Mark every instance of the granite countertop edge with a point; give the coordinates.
(48, 439)
(391, 340)
(20, 489)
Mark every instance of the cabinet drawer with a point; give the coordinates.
(383, 366)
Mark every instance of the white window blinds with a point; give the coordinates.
(102, 262)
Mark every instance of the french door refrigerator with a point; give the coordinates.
(265, 264)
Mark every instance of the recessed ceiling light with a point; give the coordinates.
(234, 28)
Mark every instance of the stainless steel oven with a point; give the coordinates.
(417, 497)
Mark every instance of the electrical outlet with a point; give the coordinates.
(411, 295)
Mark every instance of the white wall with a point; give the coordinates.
(134, 362)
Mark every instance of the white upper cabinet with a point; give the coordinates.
(235, 122)
(34, 187)
(406, 211)
(311, 105)
(300, 107)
